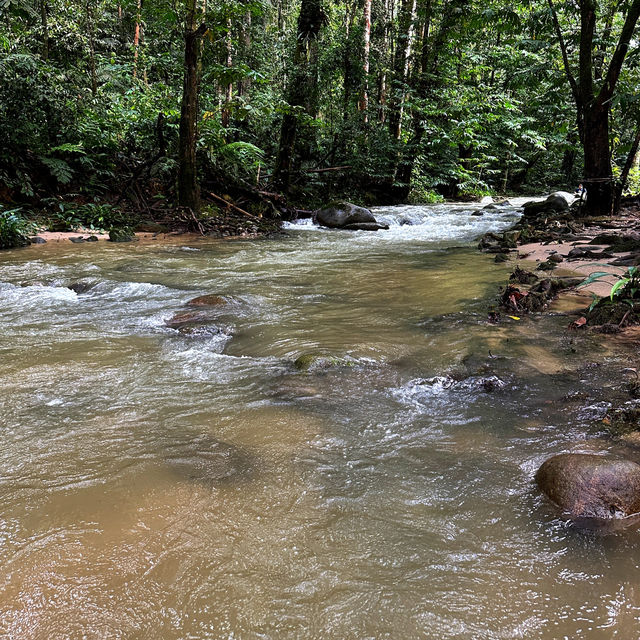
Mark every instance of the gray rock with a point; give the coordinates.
(365, 226)
(80, 287)
(555, 203)
(340, 214)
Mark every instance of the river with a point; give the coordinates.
(188, 485)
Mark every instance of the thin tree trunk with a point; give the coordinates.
(346, 64)
(188, 187)
(425, 81)
(92, 51)
(364, 104)
(401, 66)
(136, 38)
(228, 90)
(45, 29)
(245, 83)
(632, 162)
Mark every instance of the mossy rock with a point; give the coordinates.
(317, 362)
(625, 419)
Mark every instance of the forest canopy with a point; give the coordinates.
(111, 106)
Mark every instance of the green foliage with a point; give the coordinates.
(15, 229)
(69, 216)
(625, 287)
(483, 102)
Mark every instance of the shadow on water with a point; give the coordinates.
(209, 461)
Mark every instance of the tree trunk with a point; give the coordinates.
(228, 90)
(598, 180)
(45, 29)
(364, 103)
(92, 50)
(426, 80)
(632, 162)
(136, 38)
(188, 187)
(310, 21)
(401, 66)
(244, 85)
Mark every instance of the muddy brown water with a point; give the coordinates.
(161, 485)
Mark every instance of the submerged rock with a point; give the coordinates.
(208, 460)
(189, 318)
(314, 362)
(81, 287)
(320, 362)
(366, 226)
(208, 300)
(591, 486)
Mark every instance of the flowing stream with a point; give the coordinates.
(167, 484)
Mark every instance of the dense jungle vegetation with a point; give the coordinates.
(113, 110)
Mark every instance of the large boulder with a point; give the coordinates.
(587, 486)
(555, 203)
(344, 215)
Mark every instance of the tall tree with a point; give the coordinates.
(188, 186)
(310, 22)
(593, 103)
(364, 103)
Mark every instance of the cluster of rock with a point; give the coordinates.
(201, 319)
(542, 221)
(526, 292)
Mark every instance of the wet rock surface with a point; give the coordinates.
(588, 486)
(208, 300)
(344, 215)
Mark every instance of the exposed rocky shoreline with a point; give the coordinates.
(554, 253)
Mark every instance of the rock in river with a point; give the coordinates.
(207, 300)
(344, 215)
(593, 487)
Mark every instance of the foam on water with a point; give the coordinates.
(425, 223)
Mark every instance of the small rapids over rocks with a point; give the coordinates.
(333, 443)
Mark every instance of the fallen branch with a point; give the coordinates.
(233, 206)
(346, 166)
(624, 317)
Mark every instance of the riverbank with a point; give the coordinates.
(578, 259)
